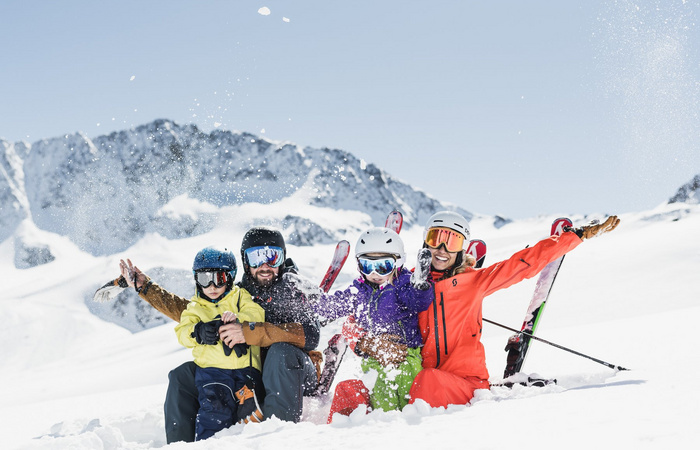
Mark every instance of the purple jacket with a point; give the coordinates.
(392, 309)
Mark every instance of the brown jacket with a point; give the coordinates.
(166, 302)
(261, 334)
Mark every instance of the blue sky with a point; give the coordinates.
(513, 108)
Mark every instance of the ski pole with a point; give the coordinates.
(532, 336)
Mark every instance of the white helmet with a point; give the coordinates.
(381, 240)
(451, 220)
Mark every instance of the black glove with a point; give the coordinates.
(207, 333)
(240, 349)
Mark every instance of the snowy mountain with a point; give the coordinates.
(689, 192)
(106, 193)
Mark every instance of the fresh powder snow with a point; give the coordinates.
(71, 380)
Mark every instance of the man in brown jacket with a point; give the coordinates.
(289, 333)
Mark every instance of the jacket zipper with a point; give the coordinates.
(444, 324)
(437, 334)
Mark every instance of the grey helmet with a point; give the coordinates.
(451, 220)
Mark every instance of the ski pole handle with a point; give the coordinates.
(561, 347)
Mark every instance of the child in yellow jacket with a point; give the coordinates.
(227, 379)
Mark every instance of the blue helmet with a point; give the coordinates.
(212, 258)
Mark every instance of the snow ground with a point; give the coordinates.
(73, 381)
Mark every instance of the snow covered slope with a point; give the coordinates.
(71, 380)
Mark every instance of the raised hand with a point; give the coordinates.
(595, 228)
(419, 277)
(132, 274)
(127, 270)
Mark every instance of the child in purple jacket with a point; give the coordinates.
(383, 305)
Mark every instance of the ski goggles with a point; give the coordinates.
(257, 256)
(381, 266)
(216, 277)
(452, 240)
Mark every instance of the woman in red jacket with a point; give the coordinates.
(454, 363)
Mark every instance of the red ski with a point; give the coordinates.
(394, 221)
(342, 250)
(477, 248)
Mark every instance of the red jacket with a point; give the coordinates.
(451, 326)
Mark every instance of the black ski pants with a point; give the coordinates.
(181, 404)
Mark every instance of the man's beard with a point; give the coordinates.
(265, 282)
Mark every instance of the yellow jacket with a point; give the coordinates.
(239, 302)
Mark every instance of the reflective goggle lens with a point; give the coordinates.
(257, 256)
(453, 241)
(382, 266)
(217, 278)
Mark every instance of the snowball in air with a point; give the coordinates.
(264, 11)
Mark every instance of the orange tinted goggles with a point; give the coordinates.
(453, 241)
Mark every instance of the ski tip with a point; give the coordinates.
(394, 221)
(477, 248)
(559, 224)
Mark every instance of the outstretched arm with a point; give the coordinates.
(164, 301)
(530, 261)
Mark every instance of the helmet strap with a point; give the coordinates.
(459, 260)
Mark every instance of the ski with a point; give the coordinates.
(110, 290)
(334, 352)
(477, 248)
(394, 221)
(519, 343)
(342, 250)
(528, 382)
(332, 357)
